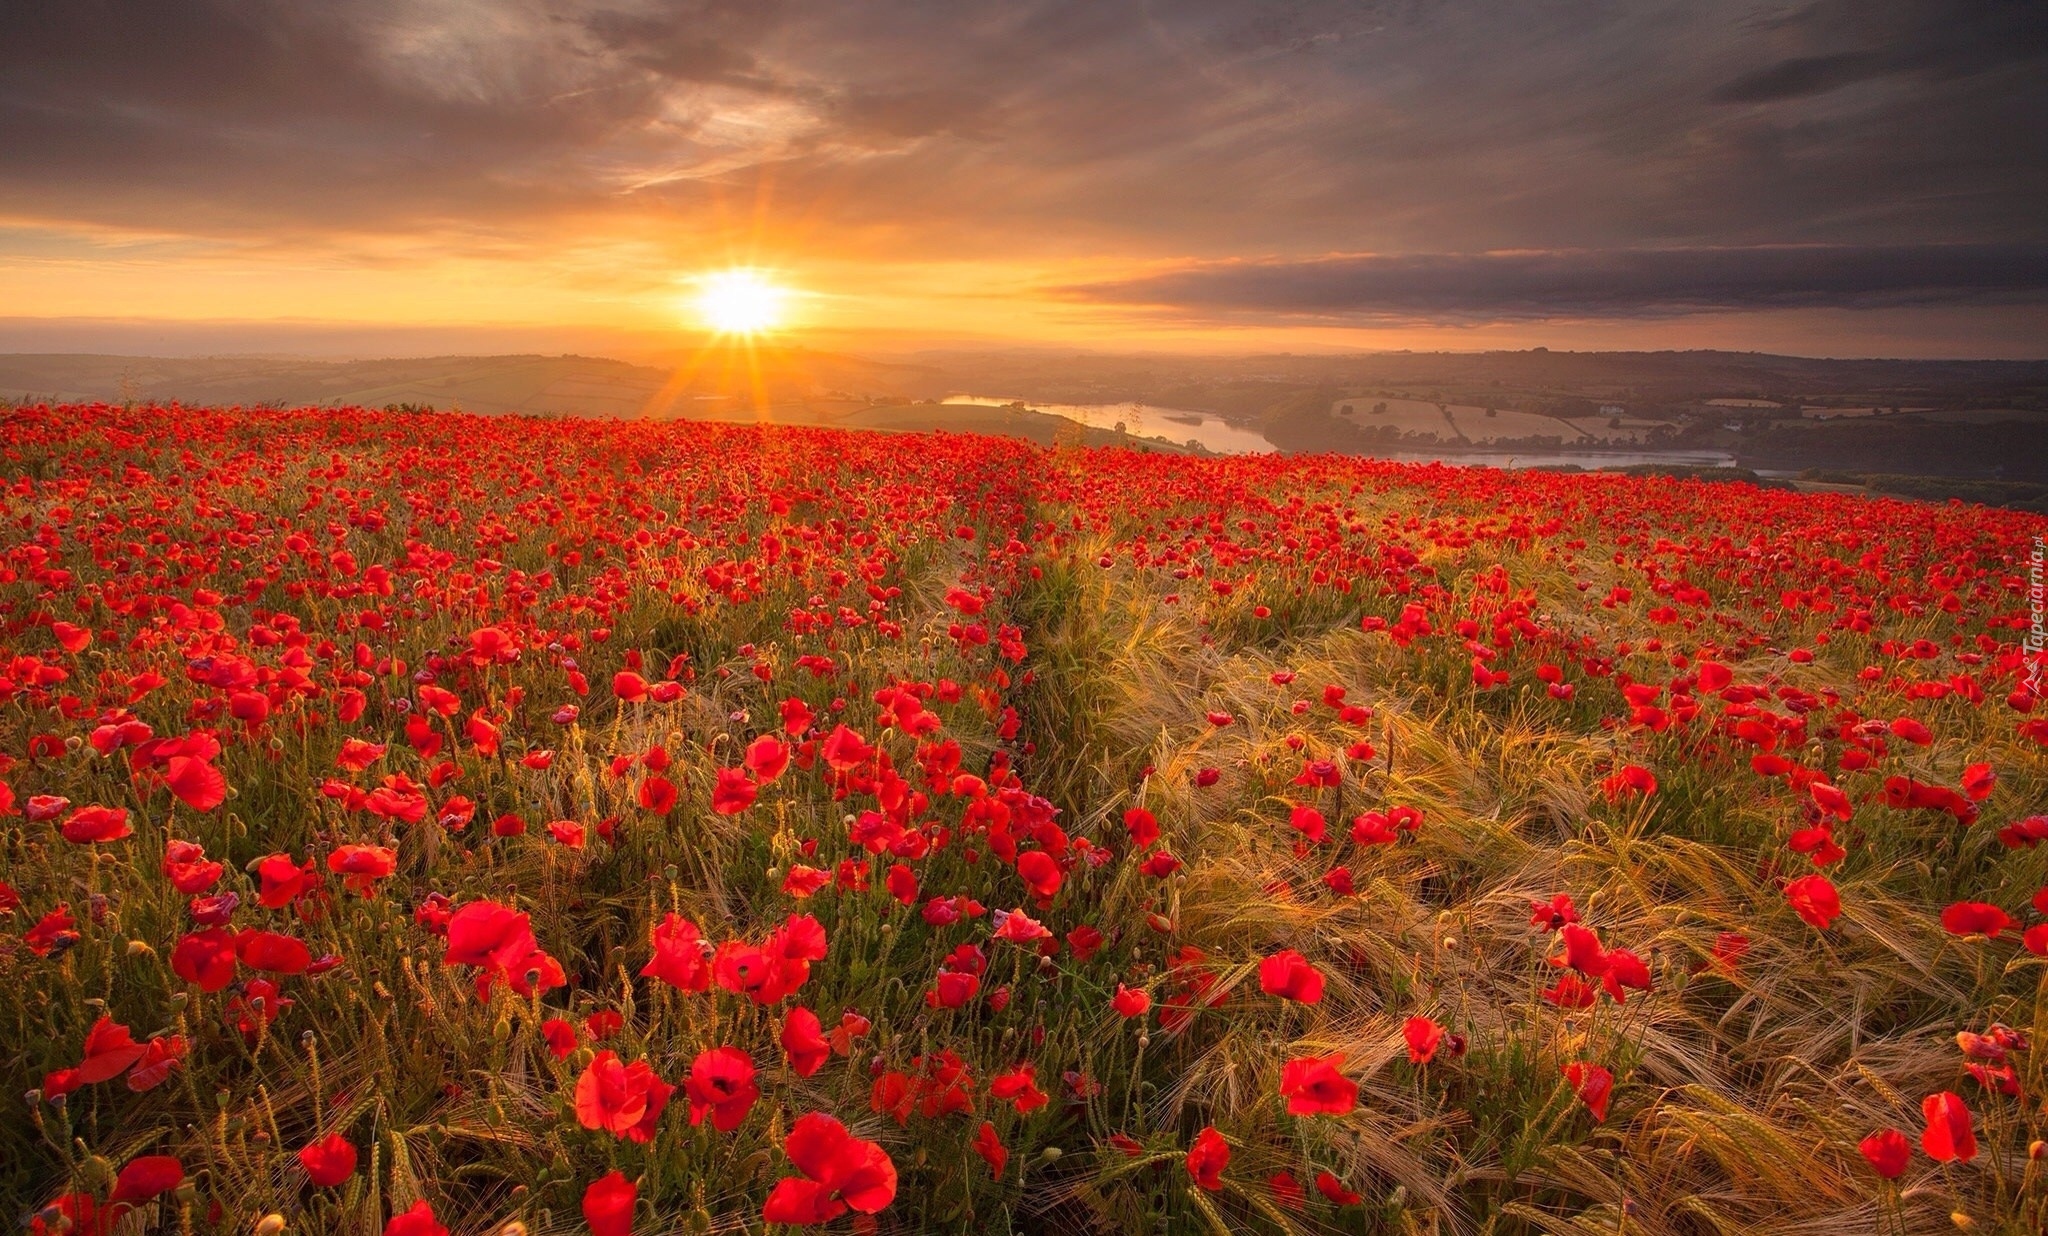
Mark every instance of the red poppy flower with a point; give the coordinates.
(767, 758)
(560, 1037)
(273, 953)
(258, 1005)
(1423, 1035)
(362, 866)
(840, 1171)
(1041, 874)
(1129, 1003)
(188, 868)
(1019, 1086)
(803, 1041)
(1582, 951)
(109, 1051)
(1975, 918)
(734, 791)
(159, 1056)
(1888, 1152)
(144, 1178)
(1207, 1158)
(97, 825)
(622, 1099)
(197, 783)
(804, 881)
(283, 881)
(1625, 971)
(1813, 898)
(1159, 864)
(608, 1205)
(205, 958)
(484, 933)
(1017, 926)
(679, 958)
(657, 794)
(1316, 1086)
(721, 1085)
(1948, 1136)
(1289, 975)
(328, 1161)
(1593, 1084)
(418, 1221)
(357, 755)
(1333, 1189)
(1142, 826)
(991, 1149)
(844, 750)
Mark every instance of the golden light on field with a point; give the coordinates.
(741, 301)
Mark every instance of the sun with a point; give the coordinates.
(740, 302)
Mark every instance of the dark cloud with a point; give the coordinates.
(1963, 39)
(1610, 284)
(695, 41)
(1801, 76)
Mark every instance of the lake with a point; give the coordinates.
(1151, 421)
(1145, 421)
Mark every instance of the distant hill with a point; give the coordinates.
(783, 387)
(546, 385)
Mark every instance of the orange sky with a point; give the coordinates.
(1209, 175)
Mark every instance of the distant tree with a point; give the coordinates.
(1380, 408)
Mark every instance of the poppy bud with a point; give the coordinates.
(97, 1171)
(270, 1225)
(2037, 1150)
(139, 948)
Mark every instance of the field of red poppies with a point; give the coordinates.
(424, 823)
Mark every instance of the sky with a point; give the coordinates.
(1827, 177)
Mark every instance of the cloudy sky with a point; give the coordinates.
(1847, 177)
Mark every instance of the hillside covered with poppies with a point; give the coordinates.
(425, 823)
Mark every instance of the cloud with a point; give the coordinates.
(1802, 76)
(1577, 284)
(1110, 132)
